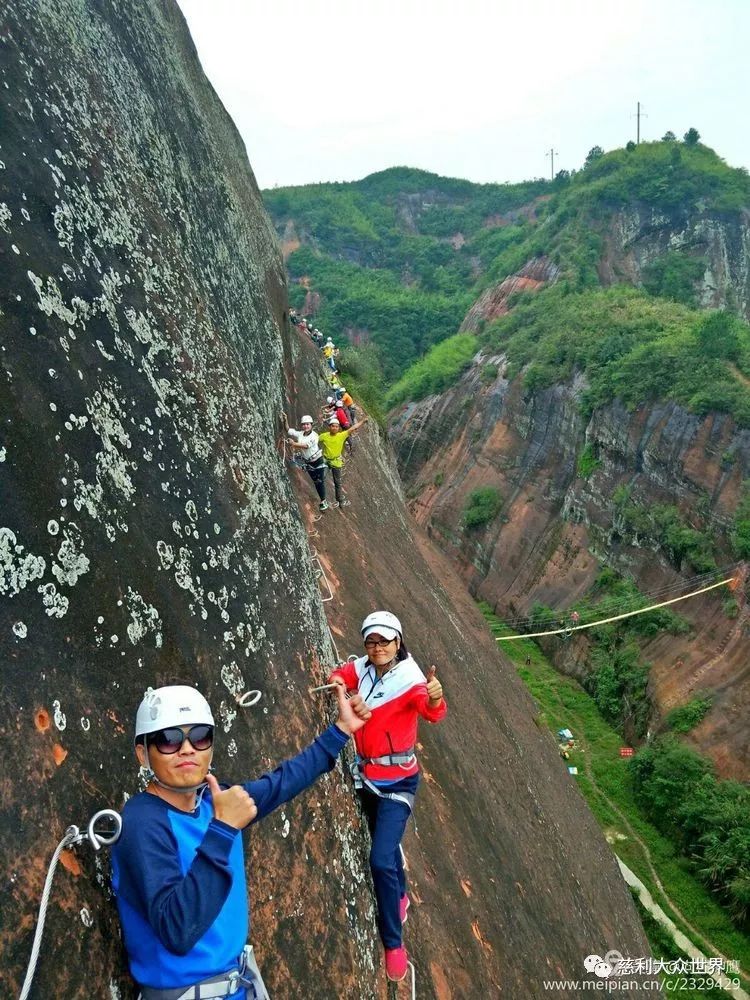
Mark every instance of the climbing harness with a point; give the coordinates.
(404, 757)
(226, 984)
(360, 781)
(605, 621)
(72, 837)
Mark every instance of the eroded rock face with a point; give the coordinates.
(147, 527)
(493, 303)
(641, 235)
(557, 528)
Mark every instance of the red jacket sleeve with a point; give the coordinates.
(348, 674)
(421, 702)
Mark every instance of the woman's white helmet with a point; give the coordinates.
(307, 419)
(176, 705)
(382, 622)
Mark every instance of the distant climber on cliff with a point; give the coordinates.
(332, 443)
(386, 772)
(348, 403)
(334, 409)
(178, 868)
(330, 353)
(305, 441)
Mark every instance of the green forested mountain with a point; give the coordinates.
(399, 253)
(399, 257)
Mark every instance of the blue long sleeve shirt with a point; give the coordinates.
(179, 878)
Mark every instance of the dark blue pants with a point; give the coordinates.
(387, 821)
(318, 475)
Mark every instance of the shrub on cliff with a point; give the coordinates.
(436, 371)
(707, 817)
(687, 717)
(674, 277)
(740, 536)
(588, 463)
(483, 505)
(630, 347)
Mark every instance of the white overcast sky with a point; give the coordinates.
(325, 90)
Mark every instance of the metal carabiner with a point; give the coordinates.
(105, 838)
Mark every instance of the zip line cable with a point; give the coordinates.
(604, 621)
(625, 602)
(614, 601)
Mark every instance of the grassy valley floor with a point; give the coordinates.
(605, 783)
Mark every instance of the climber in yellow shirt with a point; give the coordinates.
(332, 444)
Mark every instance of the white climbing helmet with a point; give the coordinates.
(382, 622)
(307, 419)
(176, 705)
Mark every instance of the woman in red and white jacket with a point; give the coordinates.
(387, 773)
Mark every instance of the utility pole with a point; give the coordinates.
(551, 155)
(638, 115)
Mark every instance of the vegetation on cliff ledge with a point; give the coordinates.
(629, 346)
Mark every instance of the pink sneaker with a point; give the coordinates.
(396, 963)
(403, 907)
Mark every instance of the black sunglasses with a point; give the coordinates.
(170, 740)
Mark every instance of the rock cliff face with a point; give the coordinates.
(641, 235)
(558, 528)
(493, 303)
(148, 532)
(147, 527)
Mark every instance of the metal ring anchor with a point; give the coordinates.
(249, 698)
(107, 837)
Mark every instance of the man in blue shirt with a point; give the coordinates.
(178, 868)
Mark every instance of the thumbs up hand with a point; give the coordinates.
(232, 806)
(434, 687)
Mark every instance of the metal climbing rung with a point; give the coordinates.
(320, 573)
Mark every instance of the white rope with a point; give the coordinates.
(604, 621)
(71, 835)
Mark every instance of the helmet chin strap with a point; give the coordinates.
(182, 789)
